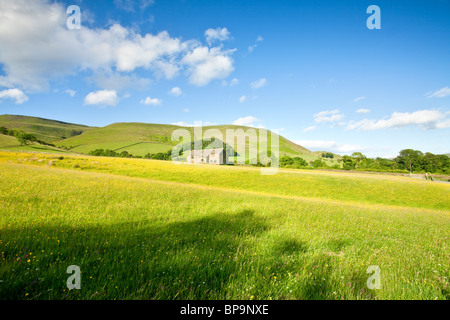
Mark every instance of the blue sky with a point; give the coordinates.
(310, 69)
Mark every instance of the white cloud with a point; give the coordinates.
(218, 34)
(329, 145)
(363, 111)
(428, 119)
(242, 99)
(186, 110)
(70, 92)
(101, 97)
(253, 47)
(37, 47)
(234, 82)
(258, 83)
(206, 64)
(152, 101)
(151, 52)
(176, 91)
(248, 121)
(311, 128)
(14, 94)
(441, 93)
(359, 99)
(328, 116)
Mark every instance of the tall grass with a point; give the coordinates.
(146, 238)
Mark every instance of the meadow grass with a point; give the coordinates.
(141, 229)
(321, 185)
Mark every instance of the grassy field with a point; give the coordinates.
(9, 143)
(145, 229)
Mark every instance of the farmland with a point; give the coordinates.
(146, 229)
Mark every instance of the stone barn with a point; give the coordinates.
(210, 156)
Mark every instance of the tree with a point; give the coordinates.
(328, 155)
(318, 164)
(410, 159)
(295, 163)
(3, 130)
(25, 138)
(124, 154)
(299, 162)
(348, 162)
(286, 160)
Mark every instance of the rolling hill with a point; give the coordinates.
(43, 129)
(135, 138)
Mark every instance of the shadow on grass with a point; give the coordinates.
(194, 259)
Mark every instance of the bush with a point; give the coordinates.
(318, 164)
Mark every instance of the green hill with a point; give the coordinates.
(142, 138)
(43, 129)
(135, 138)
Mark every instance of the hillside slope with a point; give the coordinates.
(43, 129)
(142, 138)
(135, 138)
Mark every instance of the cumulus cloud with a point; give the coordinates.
(328, 116)
(363, 111)
(206, 64)
(427, 119)
(37, 47)
(359, 99)
(14, 94)
(176, 91)
(441, 93)
(329, 145)
(242, 99)
(102, 97)
(218, 34)
(150, 51)
(152, 101)
(248, 121)
(258, 83)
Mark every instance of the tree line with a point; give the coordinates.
(408, 160)
(23, 137)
